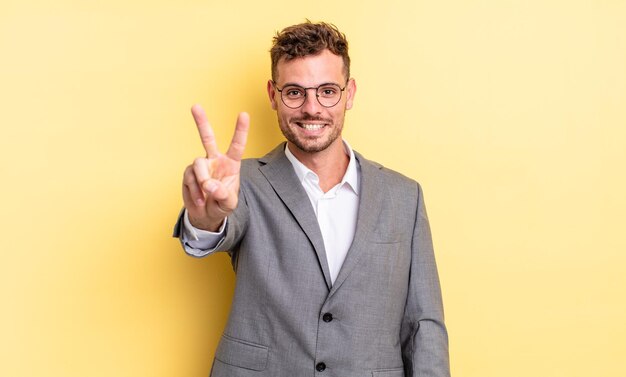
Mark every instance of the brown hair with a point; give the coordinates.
(309, 39)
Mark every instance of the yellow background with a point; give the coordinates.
(512, 115)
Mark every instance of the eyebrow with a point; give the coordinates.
(302, 86)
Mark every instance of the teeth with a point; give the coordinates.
(312, 127)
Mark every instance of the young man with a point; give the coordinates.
(336, 274)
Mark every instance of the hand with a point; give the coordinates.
(211, 183)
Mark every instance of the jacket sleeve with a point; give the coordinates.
(423, 332)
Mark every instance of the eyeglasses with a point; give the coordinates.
(293, 96)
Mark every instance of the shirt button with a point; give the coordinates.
(327, 317)
(320, 367)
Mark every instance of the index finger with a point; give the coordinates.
(238, 143)
(207, 137)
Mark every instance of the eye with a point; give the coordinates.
(328, 91)
(293, 92)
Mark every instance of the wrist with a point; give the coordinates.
(210, 225)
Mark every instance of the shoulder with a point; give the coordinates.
(393, 180)
(400, 196)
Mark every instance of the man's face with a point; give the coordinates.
(312, 127)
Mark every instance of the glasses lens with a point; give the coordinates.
(293, 96)
(329, 95)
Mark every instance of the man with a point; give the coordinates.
(333, 255)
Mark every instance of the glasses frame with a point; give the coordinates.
(317, 96)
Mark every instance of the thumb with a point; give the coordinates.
(225, 198)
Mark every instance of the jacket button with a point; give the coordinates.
(320, 367)
(327, 317)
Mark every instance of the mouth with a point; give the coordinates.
(309, 126)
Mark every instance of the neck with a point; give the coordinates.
(330, 165)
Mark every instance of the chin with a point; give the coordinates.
(314, 147)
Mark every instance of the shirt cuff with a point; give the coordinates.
(201, 239)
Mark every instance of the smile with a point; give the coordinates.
(310, 127)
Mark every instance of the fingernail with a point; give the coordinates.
(199, 202)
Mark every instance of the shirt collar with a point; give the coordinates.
(351, 176)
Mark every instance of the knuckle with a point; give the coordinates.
(189, 179)
(187, 173)
(190, 183)
(207, 138)
(199, 161)
(238, 146)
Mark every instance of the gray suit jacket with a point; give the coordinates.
(383, 316)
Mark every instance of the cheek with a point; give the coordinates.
(285, 112)
(337, 114)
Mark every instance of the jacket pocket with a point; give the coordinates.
(396, 372)
(241, 353)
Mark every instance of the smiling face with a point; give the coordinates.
(312, 128)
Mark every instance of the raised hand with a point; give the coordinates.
(211, 183)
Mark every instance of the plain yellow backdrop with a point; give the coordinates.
(511, 114)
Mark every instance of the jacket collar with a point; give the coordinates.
(279, 172)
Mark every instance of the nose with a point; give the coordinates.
(311, 105)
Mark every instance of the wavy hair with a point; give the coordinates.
(309, 39)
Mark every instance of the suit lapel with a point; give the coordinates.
(370, 205)
(281, 176)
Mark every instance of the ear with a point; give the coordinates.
(350, 93)
(271, 93)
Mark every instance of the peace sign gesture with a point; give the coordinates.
(211, 183)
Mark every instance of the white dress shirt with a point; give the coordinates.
(336, 211)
